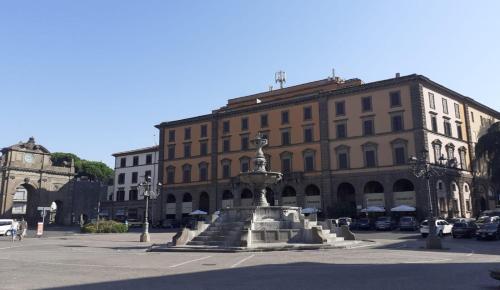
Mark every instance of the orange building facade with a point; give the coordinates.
(342, 146)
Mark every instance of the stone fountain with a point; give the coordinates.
(259, 226)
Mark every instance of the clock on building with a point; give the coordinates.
(28, 158)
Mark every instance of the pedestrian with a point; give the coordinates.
(13, 230)
(23, 228)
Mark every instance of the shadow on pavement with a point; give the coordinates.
(319, 276)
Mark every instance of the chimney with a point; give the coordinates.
(398, 75)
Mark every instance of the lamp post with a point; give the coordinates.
(422, 168)
(148, 193)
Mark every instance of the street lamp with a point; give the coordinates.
(422, 168)
(148, 193)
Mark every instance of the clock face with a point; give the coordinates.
(28, 158)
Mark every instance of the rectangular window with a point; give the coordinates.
(187, 150)
(308, 135)
(368, 127)
(340, 108)
(149, 159)
(121, 178)
(285, 138)
(203, 148)
(225, 127)
(457, 111)
(244, 166)
(397, 123)
(226, 145)
(147, 174)
(132, 194)
(186, 175)
(226, 171)
(370, 158)
(284, 117)
(459, 131)
(187, 133)
(447, 128)
(286, 165)
(434, 124)
(263, 121)
(203, 131)
(244, 143)
(432, 103)
(123, 162)
(134, 177)
(366, 104)
(395, 99)
(309, 163)
(341, 131)
(244, 124)
(171, 152)
(170, 176)
(171, 136)
(120, 195)
(445, 106)
(343, 160)
(307, 113)
(472, 116)
(203, 173)
(135, 161)
(399, 155)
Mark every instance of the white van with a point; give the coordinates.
(6, 225)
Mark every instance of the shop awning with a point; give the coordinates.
(198, 212)
(403, 208)
(373, 209)
(309, 210)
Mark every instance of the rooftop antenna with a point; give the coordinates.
(333, 73)
(280, 77)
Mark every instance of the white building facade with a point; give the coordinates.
(126, 200)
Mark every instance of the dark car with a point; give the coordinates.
(408, 223)
(464, 229)
(385, 223)
(365, 224)
(489, 231)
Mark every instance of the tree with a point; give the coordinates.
(488, 152)
(94, 170)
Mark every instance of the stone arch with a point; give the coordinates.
(246, 197)
(204, 202)
(227, 198)
(373, 187)
(289, 196)
(346, 200)
(187, 204)
(171, 207)
(313, 196)
(403, 185)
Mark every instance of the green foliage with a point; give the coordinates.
(488, 151)
(104, 227)
(94, 170)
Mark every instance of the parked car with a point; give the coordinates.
(453, 221)
(442, 228)
(464, 229)
(385, 223)
(408, 223)
(487, 220)
(489, 231)
(5, 226)
(365, 224)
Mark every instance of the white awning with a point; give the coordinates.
(373, 209)
(198, 212)
(309, 210)
(403, 208)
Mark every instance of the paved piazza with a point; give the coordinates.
(393, 260)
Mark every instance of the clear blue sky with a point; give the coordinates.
(94, 77)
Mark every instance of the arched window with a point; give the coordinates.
(170, 175)
(226, 168)
(311, 190)
(186, 173)
(286, 162)
(245, 164)
(309, 164)
(403, 185)
(373, 187)
(370, 154)
(288, 191)
(227, 194)
(204, 203)
(203, 171)
(171, 198)
(187, 197)
(246, 193)
(436, 146)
